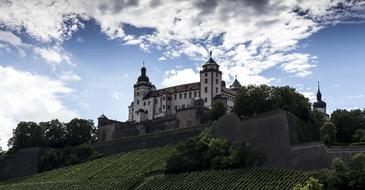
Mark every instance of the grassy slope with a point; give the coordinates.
(142, 169)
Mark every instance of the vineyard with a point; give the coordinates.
(143, 169)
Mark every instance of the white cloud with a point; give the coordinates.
(53, 56)
(29, 97)
(176, 77)
(254, 35)
(69, 76)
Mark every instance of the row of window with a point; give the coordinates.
(216, 74)
(229, 97)
(206, 81)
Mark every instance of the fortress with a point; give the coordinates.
(153, 110)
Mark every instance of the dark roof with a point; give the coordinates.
(102, 117)
(173, 89)
(319, 104)
(235, 84)
(229, 91)
(210, 61)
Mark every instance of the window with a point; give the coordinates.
(185, 95)
(144, 103)
(164, 98)
(205, 100)
(137, 101)
(146, 111)
(189, 94)
(148, 102)
(206, 74)
(163, 107)
(175, 96)
(216, 90)
(180, 95)
(194, 94)
(205, 81)
(216, 81)
(183, 106)
(168, 107)
(205, 89)
(199, 93)
(156, 100)
(175, 107)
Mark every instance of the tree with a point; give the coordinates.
(252, 100)
(347, 123)
(80, 131)
(359, 136)
(55, 133)
(328, 132)
(209, 152)
(311, 184)
(344, 176)
(318, 118)
(27, 134)
(218, 110)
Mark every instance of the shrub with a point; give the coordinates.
(208, 152)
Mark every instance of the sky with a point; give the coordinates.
(64, 59)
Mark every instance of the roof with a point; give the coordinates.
(210, 62)
(102, 117)
(229, 91)
(236, 84)
(173, 89)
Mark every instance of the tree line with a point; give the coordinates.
(53, 134)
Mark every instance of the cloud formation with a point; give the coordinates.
(29, 97)
(248, 35)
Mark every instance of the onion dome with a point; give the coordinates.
(143, 77)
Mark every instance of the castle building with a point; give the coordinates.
(320, 105)
(150, 103)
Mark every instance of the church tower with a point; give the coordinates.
(320, 105)
(210, 81)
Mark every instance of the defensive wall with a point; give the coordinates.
(22, 163)
(286, 140)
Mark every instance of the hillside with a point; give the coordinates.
(143, 169)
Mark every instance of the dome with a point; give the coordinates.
(319, 104)
(143, 77)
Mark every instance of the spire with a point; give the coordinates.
(210, 54)
(143, 69)
(319, 94)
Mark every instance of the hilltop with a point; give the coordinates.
(144, 169)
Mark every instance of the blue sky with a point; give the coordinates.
(62, 59)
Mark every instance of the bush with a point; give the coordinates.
(311, 184)
(208, 152)
(345, 176)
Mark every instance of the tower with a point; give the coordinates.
(320, 105)
(210, 81)
(138, 110)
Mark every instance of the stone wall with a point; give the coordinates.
(165, 138)
(287, 141)
(24, 162)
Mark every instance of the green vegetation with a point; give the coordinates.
(52, 134)
(343, 175)
(252, 100)
(120, 171)
(218, 110)
(249, 178)
(348, 123)
(208, 152)
(328, 132)
(144, 169)
(311, 184)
